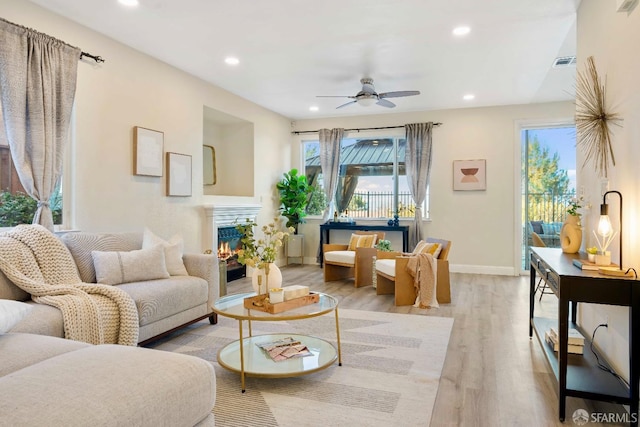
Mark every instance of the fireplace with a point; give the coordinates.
(229, 242)
(220, 232)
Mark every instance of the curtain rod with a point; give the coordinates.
(298, 132)
(96, 58)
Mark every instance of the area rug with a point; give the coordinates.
(391, 366)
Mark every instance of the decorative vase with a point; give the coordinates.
(271, 280)
(571, 234)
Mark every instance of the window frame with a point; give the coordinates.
(394, 134)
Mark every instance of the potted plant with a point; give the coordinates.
(294, 190)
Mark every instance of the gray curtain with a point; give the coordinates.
(37, 87)
(418, 166)
(346, 187)
(330, 162)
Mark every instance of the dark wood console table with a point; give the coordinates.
(579, 375)
(327, 226)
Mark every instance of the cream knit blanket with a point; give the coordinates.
(423, 269)
(35, 260)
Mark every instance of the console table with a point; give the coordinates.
(579, 375)
(327, 226)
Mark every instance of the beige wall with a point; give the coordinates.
(612, 39)
(131, 89)
(480, 224)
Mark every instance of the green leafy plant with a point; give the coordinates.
(294, 191)
(574, 205)
(592, 250)
(384, 245)
(19, 208)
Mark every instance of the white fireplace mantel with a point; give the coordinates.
(225, 216)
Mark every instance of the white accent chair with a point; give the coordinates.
(342, 263)
(392, 277)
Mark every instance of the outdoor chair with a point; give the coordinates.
(352, 260)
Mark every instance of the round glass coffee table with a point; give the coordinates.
(247, 358)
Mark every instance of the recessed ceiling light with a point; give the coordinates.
(469, 97)
(231, 60)
(313, 108)
(130, 3)
(463, 30)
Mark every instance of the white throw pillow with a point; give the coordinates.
(11, 313)
(113, 268)
(173, 249)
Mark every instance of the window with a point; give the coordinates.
(16, 206)
(372, 178)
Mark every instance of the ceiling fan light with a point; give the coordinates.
(366, 101)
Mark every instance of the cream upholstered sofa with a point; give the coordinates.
(48, 380)
(164, 304)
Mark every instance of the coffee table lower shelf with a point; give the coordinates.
(258, 364)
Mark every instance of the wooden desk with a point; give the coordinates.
(579, 375)
(327, 226)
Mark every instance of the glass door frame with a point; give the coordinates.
(521, 125)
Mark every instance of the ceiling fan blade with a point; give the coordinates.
(335, 96)
(399, 94)
(385, 103)
(344, 105)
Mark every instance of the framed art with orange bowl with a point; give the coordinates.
(470, 175)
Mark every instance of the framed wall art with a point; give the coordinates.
(469, 175)
(178, 174)
(208, 165)
(148, 146)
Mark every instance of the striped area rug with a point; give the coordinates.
(391, 365)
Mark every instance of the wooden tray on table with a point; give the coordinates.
(249, 303)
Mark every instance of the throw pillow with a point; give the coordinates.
(419, 247)
(114, 268)
(173, 249)
(11, 313)
(362, 241)
(537, 226)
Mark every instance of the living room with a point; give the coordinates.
(135, 89)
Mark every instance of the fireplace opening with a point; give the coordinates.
(229, 243)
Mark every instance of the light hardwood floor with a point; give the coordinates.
(493, 375)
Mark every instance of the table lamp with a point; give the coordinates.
(605, 229)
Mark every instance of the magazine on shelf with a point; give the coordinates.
(284, 349)
(575, 337)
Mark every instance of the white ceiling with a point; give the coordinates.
(292, 50)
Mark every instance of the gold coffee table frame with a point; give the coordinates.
(244, 357)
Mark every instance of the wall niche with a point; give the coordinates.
(228, 164)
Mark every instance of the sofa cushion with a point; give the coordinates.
(8, 290)
(113, 268)
(82, 244)
(11, 313)
(23, 350)
(157, 299)
(536, 226)
(42, 320)
(342, 257)
(110, 385)
(173, 249)
(386, 266)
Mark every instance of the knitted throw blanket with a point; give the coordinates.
(423, 269)
(35, 260)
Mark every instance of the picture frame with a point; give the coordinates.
(470, 175)
(148, 146)
(179, 178)
(209, 165)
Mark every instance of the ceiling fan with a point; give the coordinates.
(368, 95)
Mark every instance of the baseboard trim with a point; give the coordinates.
(482, 269)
